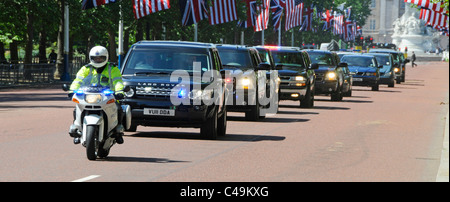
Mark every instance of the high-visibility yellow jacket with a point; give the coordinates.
(88, 75)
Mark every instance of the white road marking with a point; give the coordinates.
(86, 178)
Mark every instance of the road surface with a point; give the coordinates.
(395, 134)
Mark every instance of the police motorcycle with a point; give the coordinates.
(96, 119)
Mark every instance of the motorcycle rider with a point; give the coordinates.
(100, 71)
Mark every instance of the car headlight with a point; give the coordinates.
(129, 93)
(200, 94)
(371, 73)
(93, 98)
(299, 78)
(331, 76)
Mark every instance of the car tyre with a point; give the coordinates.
(209, 128)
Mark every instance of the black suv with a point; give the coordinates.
(332, 77)
(297, 75)
(176, 84)
(251, 90)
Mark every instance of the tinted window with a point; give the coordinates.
(321, 58)
(358, 61)
(237, 58)
(289, 60)
(166, 60)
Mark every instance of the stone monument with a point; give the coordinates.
(411, 32)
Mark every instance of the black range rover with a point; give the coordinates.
(176, 84)
(251, 91)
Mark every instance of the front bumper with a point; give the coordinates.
(326, 86)
(184, 115)
(365, 81)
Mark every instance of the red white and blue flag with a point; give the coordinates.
(307, 22)
(327, 17)
(262, 16)
(192, 11)
(222, 11)
(338, 24)
(277, 7)
(437, 7)
(142, 8)
(294, 14)
(87, 4)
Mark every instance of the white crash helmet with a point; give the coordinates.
(98, 56)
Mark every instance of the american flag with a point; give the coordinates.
(192, 11)
(307, 22)
(222, 11)
(428, 5)
(277, 7)
(262, 16)
(142, 8)
(87, 4)
(294, 14)
(434, 19)
(250, 16)
(338, 24)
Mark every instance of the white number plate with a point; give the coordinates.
(357, 79)
(159, 112)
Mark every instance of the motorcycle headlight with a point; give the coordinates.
(331, 76)
(396, 70)
(93, 98)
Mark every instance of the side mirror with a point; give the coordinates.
(314, 66)
(279, 67)
(65, 87)
(343, 64)
(264, 66)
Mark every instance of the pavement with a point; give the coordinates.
(442, 175)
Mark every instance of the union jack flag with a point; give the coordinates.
(277, 7)
(307, 22)
(192, 11)
(142, 8)
(222, 11)
(328, 19)
(250, 16)
(87, 4)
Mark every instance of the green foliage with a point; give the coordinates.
(95, 26)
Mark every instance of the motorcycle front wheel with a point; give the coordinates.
(91, 142)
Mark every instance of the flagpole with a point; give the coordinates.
(279, 36)
(262, 37)
(65, 76)
(195, 34)
(120, 37)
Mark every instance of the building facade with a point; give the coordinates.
(379, 24)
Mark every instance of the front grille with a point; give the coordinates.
(154, 91)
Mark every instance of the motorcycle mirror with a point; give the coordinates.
(65, 87)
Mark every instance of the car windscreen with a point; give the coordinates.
(235, 58)
(166, 60)
(384, 60)
(358, 61)
(264, 55)
(321, 58)
(289, 60)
